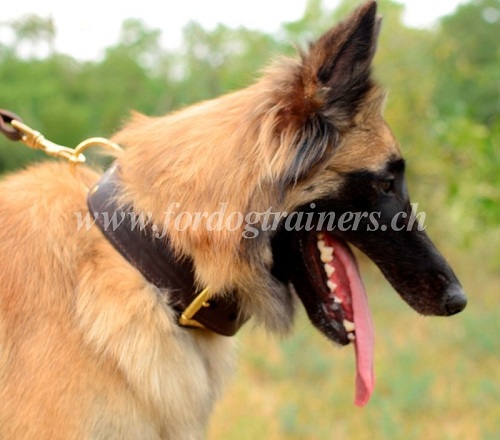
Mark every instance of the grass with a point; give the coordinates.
(437, 378)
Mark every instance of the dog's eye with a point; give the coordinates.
(386, 185)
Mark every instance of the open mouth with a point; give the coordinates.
(325, 275)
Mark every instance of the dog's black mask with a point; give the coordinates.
(373, 213)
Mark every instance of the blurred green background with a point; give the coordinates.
(437, 378)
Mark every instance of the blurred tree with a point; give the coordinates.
(32, 34)
(316, 19)
(221, 60)
(467, 56)
(132, 75)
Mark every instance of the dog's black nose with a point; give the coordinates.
(455, 300)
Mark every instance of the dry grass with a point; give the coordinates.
(437, 378)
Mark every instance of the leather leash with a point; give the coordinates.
(6, 118)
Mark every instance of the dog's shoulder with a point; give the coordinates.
(37, 217)
(54, 180)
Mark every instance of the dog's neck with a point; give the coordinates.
(148, 251)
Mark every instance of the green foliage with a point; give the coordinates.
(467, 60)
(473, 154)
(467, 128)
(218, 61)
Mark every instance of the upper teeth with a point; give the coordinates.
(326, 254)
(329, 269)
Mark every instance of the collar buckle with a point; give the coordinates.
(201, 300)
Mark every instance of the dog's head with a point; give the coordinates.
(309, 140)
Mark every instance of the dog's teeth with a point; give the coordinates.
(329, 269)
(326, 254)
(349, 326)
(336, 299)
(351, 337)
(331, 285)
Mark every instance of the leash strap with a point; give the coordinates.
(6, 118)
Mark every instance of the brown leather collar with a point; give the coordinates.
(155, 260)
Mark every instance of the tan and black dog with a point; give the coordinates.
(100, 332)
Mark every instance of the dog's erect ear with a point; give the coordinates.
(327, 86)
(340, 61)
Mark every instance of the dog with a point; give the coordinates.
(125, 333)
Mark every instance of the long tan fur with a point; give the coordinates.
(88, 348)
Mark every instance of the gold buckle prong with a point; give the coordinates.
(201, 300)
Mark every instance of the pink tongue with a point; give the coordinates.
(365, 378)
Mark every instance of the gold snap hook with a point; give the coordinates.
(36, 140)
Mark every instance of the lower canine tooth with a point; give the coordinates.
(349, 326)
(337, 300)
(351, 336)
